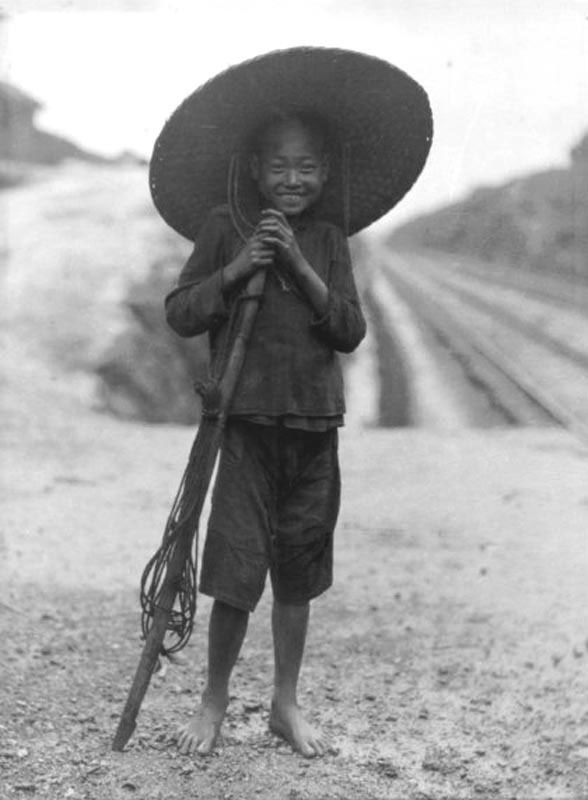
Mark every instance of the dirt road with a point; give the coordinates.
(449, 660)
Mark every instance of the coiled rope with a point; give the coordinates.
(184, 515)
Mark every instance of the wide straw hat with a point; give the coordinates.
(380, 117)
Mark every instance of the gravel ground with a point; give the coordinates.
(449, 660)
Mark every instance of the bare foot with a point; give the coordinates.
(287, 721)
(199, 736)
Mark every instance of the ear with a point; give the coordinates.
(254, 167)
(326, 167)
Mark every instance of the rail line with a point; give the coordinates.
(532, 328)
(534, 377)
(565, 291)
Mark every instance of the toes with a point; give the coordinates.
(185, 741)
(308, 751)
(193, 739)
(320, 745)
(321, 748)
(311, 746)
(318, 748)
(301, 736)
(193, 747)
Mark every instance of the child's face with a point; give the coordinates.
(291, 168)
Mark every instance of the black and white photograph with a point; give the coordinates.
(294, 400)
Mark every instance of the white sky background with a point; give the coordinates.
(507, 79)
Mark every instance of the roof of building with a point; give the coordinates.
(16, 95)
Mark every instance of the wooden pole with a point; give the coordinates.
(209, 439)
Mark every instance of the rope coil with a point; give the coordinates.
(181, 620)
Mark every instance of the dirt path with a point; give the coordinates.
(449, 660)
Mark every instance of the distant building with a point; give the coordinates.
(17, 127)
(21, 140)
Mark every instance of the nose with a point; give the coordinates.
(292, 177)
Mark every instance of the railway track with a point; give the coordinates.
(564, 291)
(512, 347)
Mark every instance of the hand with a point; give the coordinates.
(255, 255)
(275, 232)
(258, 252)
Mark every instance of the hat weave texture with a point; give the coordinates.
(381, 117)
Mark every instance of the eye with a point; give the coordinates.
(308, 167)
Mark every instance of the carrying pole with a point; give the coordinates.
(208, 441)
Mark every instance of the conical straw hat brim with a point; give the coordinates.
(380, 114)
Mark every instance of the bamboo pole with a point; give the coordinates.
(208, 439)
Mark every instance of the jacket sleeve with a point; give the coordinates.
(197, 304)
(343, 325)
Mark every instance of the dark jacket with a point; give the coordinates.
(291, 366)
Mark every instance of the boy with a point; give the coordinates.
(280, 448)
(349, 138)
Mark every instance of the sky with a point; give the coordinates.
(507, 79)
